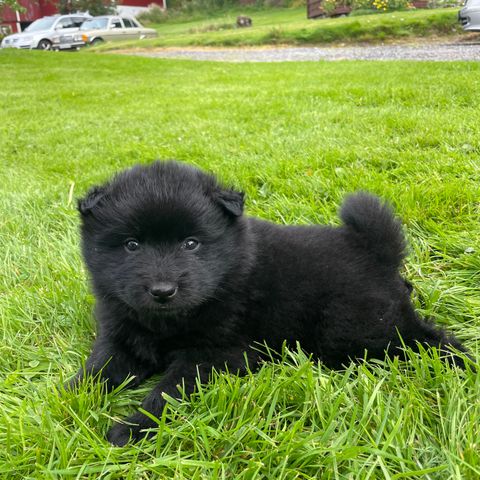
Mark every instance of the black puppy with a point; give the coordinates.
(184, 282)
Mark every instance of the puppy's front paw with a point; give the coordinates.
(121, 434)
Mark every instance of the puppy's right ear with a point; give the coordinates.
(92, 198)
(231, 201)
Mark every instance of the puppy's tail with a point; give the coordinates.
(378, 229)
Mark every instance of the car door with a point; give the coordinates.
(116, 30)
(66, 27)
(131, 29)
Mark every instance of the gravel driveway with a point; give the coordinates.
(436, 52)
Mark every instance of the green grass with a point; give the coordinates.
(296, 137)
(290, 26)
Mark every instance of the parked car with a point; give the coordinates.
(469, 15)
(109, 28)
(45, 33)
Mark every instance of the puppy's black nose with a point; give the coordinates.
(163, 291)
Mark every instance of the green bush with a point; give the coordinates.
(186, 8)
(154, 14)
(381, 5)
(94, 7)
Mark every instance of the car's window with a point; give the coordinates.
(116, 23)
(44, 23)
(78, 21)
(66, 22)
(99, 23)
(128, 23)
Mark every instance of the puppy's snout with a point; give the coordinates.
(163, 291)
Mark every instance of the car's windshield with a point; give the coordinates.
(473, 3)
(95, 24)
(44, 23)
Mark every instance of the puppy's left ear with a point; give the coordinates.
(231, 201)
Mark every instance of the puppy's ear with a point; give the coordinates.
(86, 204)
(231, 201)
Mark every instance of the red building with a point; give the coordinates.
(12, 21)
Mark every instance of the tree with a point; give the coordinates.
(13, 4)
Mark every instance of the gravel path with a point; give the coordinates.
(436, 52)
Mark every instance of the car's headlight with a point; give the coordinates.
(78, 38)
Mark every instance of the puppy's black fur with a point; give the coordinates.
(184, 282)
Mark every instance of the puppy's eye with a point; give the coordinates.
(190, 244)
(131, 244)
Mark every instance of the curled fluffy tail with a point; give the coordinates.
(378, 229)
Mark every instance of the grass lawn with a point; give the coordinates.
(296, 137)
(290, 26)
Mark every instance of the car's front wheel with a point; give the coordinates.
(44, 45)
(96, 41)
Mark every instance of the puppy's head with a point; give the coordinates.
(161, 238)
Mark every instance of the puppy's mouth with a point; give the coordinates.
(163, 307)
(154, 309)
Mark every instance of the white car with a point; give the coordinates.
(45, 33)
(469, 15)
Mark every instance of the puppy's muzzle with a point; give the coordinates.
(163, 291)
